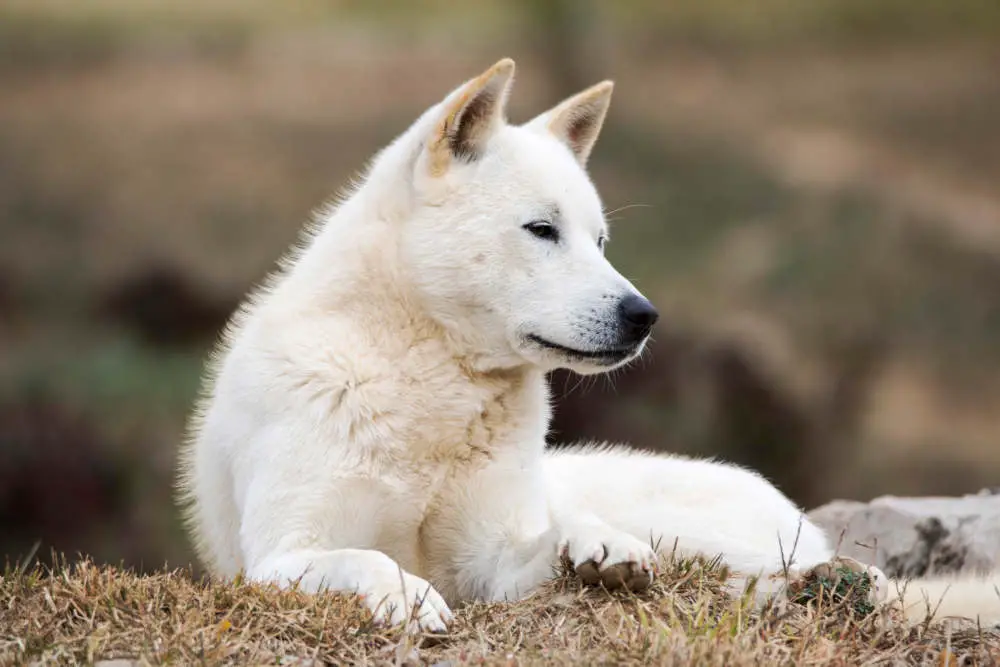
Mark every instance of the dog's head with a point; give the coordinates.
(506, 239)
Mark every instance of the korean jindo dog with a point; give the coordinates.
(374, 419)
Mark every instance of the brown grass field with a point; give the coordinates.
(83, 613)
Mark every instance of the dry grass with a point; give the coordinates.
(82, 613)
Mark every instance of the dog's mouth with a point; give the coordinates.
(604, 356)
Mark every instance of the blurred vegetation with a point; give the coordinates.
(806, 189)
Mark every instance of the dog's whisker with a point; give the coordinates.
(625, 208)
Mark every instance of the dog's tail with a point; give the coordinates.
(967, 596)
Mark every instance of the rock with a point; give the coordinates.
(910, 537)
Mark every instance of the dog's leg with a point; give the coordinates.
(320, 530)
(599, 554)
(698, 507)
(394, 596)
(497, 536)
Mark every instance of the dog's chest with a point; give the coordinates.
(450, 432)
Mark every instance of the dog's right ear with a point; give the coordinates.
(578, 120)
(470, 116)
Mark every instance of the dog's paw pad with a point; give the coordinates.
(616, 561)
(589, 572)
(630, 576)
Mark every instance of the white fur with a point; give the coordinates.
(375, 416)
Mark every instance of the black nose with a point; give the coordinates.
(636, 317)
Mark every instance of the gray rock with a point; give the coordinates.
(910, 537)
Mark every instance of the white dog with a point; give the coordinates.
(375, 417)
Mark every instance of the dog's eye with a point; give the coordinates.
(601, 242)
(543, 230)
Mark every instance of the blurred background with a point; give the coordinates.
(807, 190)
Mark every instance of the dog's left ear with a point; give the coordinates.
(577, 121)
(470, 116)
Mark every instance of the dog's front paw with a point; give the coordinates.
(399, 597)
(603, 555)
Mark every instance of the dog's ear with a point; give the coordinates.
(577, 121)
(471, 114)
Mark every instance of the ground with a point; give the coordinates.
(87, 613)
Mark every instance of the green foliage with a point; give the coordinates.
(846, 587)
